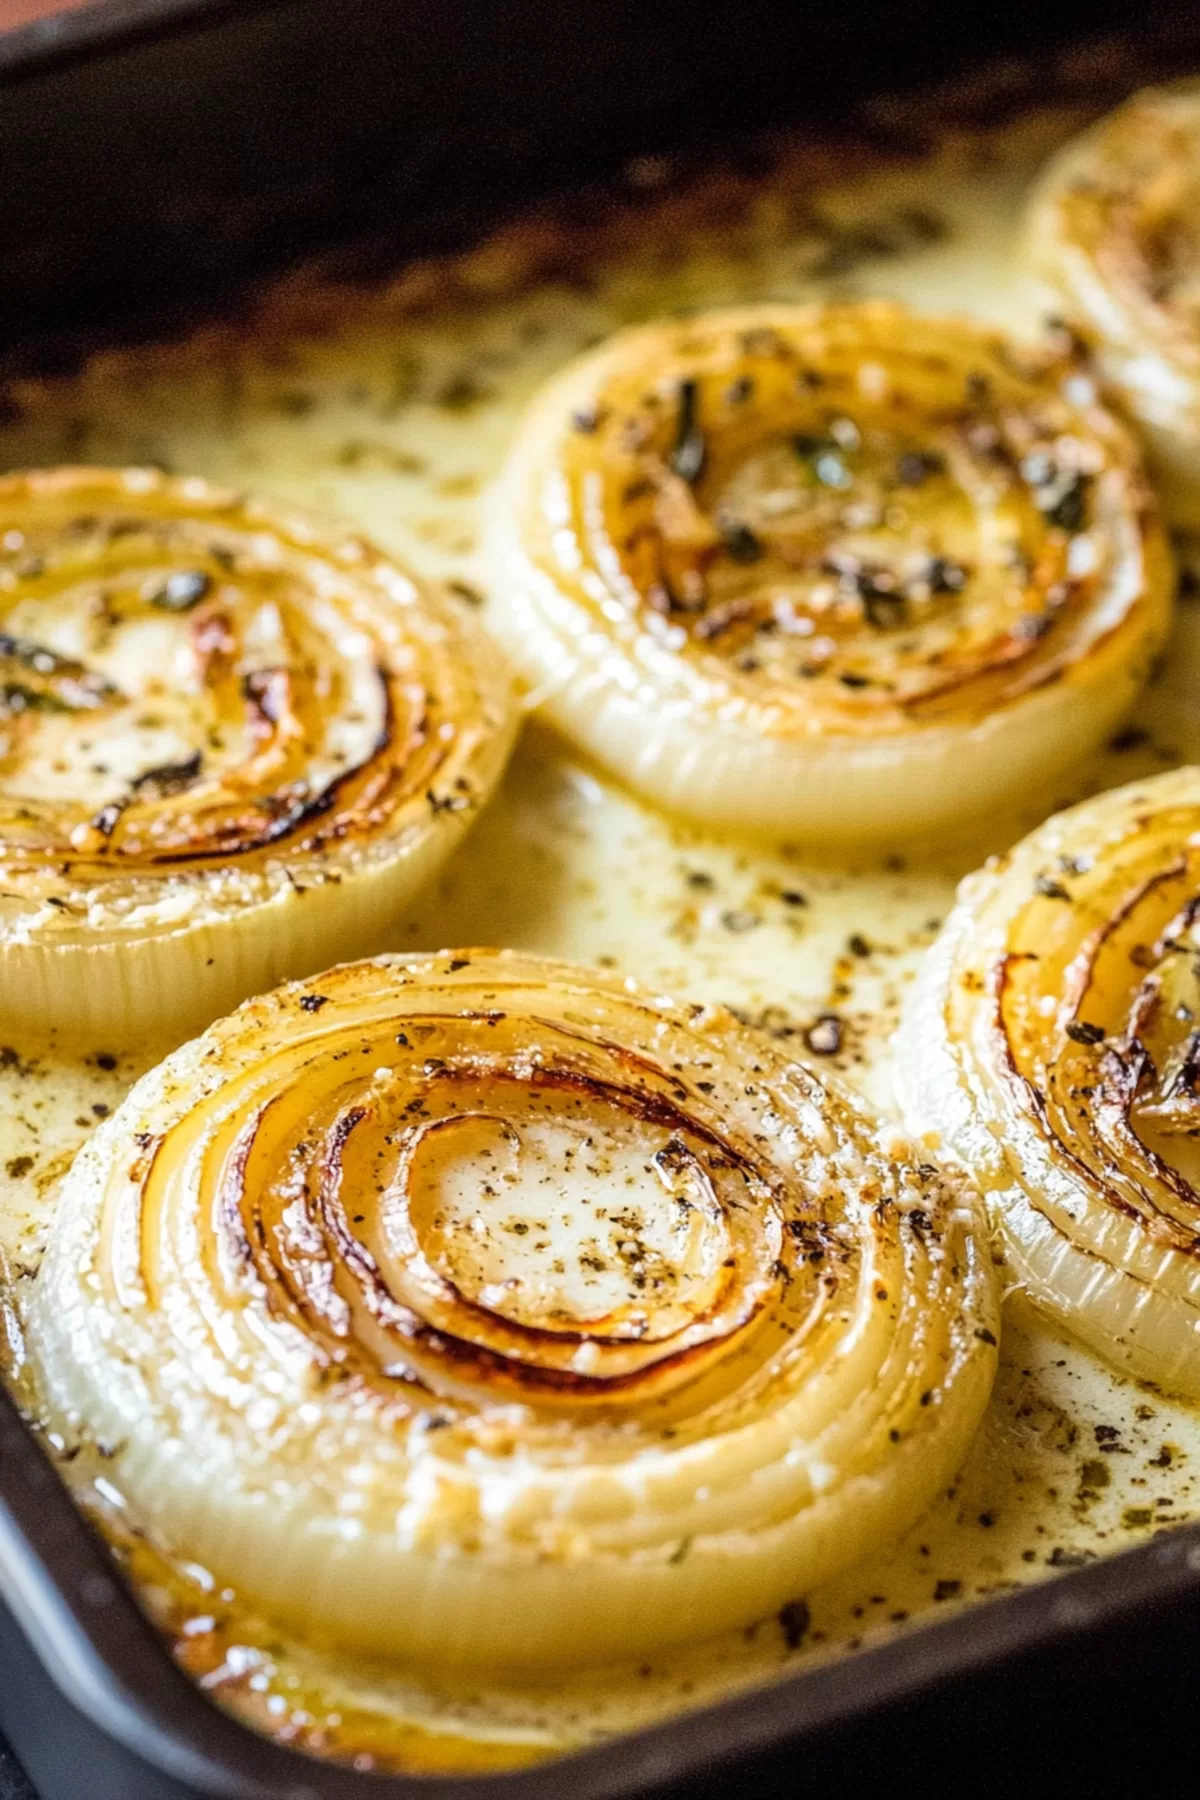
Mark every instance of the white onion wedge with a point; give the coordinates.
(838, 573)
(232, 743)
(489, 1311)
(1052, 1042)
(1114, 226)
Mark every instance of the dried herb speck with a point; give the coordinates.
(916, 466)
(1066, 507)
(742, 544)
(687, 458)
(181, 591)
(824, 1035)
(794, 1621)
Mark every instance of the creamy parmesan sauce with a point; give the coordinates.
(392, 406)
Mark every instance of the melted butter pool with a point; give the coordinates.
(392, 406)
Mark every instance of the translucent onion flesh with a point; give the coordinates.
(1114, 226)
(1052, 1042)
(484, 1310)
(838, 573)
(232, 743)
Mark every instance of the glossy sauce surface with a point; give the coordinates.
(392, 406)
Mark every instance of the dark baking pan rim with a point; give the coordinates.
(102, 25)
(157, 153)
(109, 1663)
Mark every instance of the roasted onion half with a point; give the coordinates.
(1053, 1043)
(841, 572)
(231, 744)
(1115, 227)
(486, 1310)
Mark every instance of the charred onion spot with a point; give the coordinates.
(170, 778)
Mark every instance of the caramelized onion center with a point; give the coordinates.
(842, 515)
(182, 680)
(479, 1200)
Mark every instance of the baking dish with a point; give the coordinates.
(121, 1720)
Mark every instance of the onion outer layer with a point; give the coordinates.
(1111, 216)
(404, 1402)
(235, 742)
(1048, 1043)
(840, 573)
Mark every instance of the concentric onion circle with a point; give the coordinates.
(231, 744)
(1115, 227)
(486, 1310)
(841, 572)
(1053, 1043)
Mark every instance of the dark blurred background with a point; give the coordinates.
(150, 149)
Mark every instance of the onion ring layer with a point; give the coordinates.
(1115, 227)
(489, 1311)
(1053, 1043)
(231, 744)
(839, 572)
